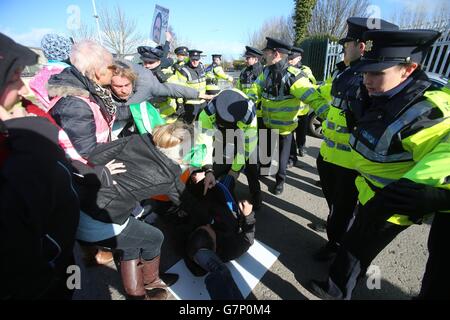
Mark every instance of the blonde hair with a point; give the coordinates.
(174, 140)
(171, 135)
(88, 56)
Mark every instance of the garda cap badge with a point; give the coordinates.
(369, 45)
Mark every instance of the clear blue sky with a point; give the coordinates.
(223, 27)
(212, 26)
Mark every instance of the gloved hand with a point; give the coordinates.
(409, 198)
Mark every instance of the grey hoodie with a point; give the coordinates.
(148, 86)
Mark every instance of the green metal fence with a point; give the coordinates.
(314, 56)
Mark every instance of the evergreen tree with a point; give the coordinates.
(302, 16)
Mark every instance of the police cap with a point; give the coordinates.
(387, 48)
(231, 106)
(295, 52)
(150, 54)
(195, 54)
(357, 26)
(216, 56)
(277, 45)
(252, 52)
(183, 51)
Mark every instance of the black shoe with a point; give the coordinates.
(319, 227)
(318, 289)
(326, 253)
(257, 201)
(301, 152)
(279, 188)
(290, 163)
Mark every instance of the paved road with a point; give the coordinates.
(282, 224)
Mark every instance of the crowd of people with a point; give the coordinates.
(103, 137)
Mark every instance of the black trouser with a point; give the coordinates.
(138, 239)
(367, 237)
(261, 128)
(285, 142)
(294, 153)
(300, 132)
(190, 112)
(436, 282)
(300, 137)
(328, 179)
(338, 186)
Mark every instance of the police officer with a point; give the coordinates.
(400, 129)
(281, 88)
(298, 144)
(182, 54)
(151, 58)
(252, 71)
(192, 74)
(214, 72)
(250, 74)
(335, 162)
(234, 115)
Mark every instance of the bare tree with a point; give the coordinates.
(119, 31)
(280, 28)
(330, 16)
(422, 15)
(82, 33)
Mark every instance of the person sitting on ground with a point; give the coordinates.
(175, 140)
(229, 234)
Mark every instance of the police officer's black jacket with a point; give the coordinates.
(274, 84)
(250, 73)
(370, 116)
(162, 77)
(194, 73)
(345, 85)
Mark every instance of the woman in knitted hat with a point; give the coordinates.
(57, 50)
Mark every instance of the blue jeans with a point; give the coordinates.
(138, 239)
(219, 282)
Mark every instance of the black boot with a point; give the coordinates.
(301, 152)
(279, 188)
(327, 252)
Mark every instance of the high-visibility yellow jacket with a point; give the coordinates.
(335, 147)
(407, 137)
(304, 108)
(166, 106)
(194, 78)
(213, 73)
(280, 101)
(246, 133)
(246, 79)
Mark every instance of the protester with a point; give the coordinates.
(39, 209)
